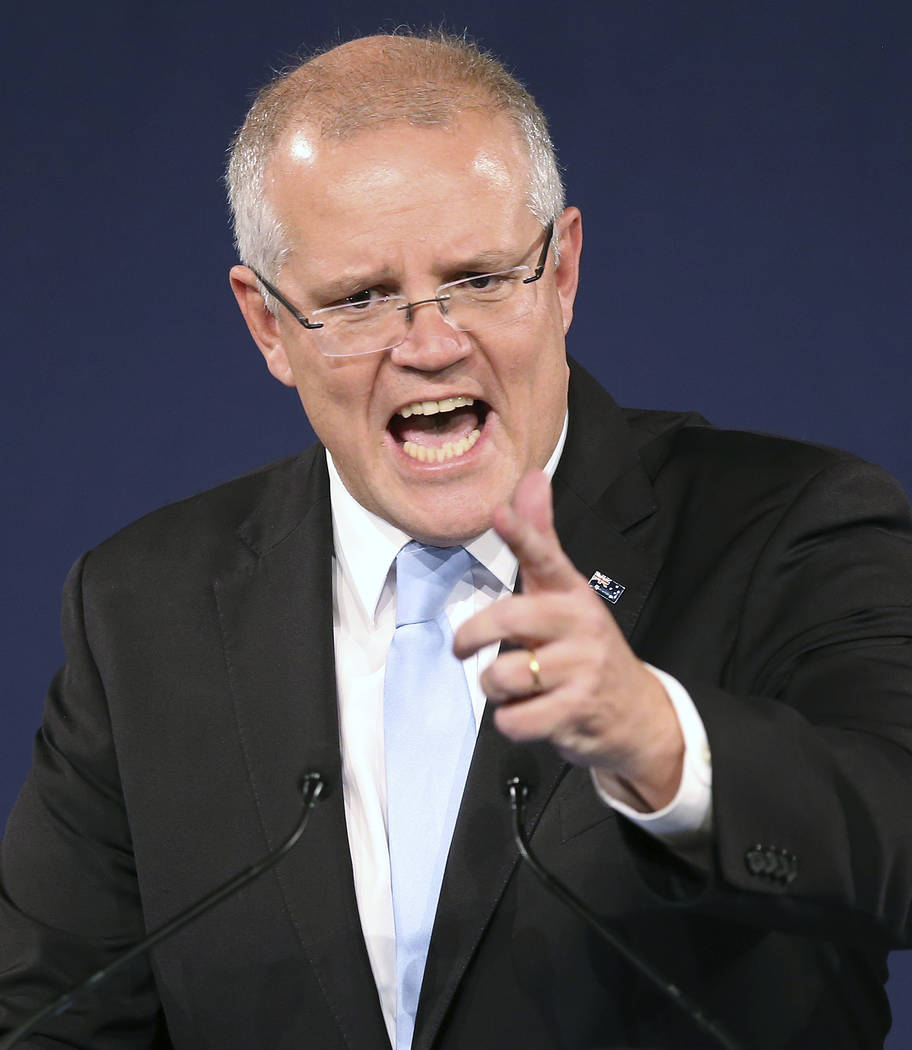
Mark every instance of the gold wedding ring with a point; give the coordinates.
(535, 668)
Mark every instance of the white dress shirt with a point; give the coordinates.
(364, 608)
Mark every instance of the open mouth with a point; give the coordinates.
(437, 431)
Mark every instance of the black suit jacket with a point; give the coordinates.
(773, 579)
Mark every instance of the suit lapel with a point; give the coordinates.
(481, 859)
(595, 544)
(278, 635)
(601, 493)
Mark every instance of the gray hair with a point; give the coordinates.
(423, 81)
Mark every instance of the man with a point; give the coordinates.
(737, 806)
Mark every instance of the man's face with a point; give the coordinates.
(403, 210)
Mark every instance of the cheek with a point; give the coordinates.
(545, 377)
(336, 398)
(538, 363)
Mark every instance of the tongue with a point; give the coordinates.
(436, 430)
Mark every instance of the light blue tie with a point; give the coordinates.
(429, 735)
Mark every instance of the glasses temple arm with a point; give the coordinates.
(289, 306)
(542, 259)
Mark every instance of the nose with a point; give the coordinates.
(430, 343)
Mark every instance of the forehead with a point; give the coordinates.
(463, 186)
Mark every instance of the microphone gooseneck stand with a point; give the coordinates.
(518, 792)
(313, 788)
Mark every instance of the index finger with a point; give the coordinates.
(526, 525)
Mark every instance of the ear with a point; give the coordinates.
(264, 326)
(569, 230)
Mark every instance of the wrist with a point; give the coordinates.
(651, 777)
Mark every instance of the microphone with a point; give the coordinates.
(313, 788)
(518, 791)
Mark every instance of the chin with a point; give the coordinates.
(446, 530)
(447, 534)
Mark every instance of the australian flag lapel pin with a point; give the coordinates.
(607, 588)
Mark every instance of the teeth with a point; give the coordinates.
(431, 408)
(448, 450)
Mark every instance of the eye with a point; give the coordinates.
(362, 299)
(486, 287)
(481, 281)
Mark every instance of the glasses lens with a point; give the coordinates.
(474, 303)
(489, 299)
(351, 329)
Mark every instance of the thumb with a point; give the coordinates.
(526, 526)
(532, 500)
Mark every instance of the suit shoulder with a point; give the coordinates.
(649, 424)
(699, 464)
(205, 527)
(685, 441)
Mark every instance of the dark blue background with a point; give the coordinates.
(742, 166)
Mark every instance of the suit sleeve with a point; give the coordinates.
(810, 722)
(69, 898)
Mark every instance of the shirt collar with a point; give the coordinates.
(366, 544)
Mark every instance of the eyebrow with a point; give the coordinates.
(349, 282)
(493, 259)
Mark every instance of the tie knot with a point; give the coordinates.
(425, 576)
